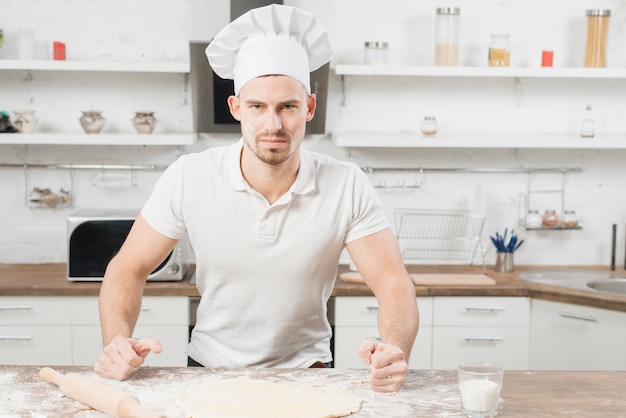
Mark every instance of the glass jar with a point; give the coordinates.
(375, 53)
(569, 219)
(500, 50)
(533, 219)
(447, 22)
(597, 28)
(550, 219)
(429, 126)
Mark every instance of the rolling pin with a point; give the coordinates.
(100, 396)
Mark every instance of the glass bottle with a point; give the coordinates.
(429, 126)
(447, 22)
(500, 50)
(550, 219)
(597, 27)
(587, 128)
(569, 219)
(375, 53)
(533, 219)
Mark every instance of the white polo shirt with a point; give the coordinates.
(265, 272)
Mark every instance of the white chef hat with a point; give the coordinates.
(274, 39)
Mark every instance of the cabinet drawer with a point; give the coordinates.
(363, 311)
(505, 346)
(36, 345)
(36, 310)
(482, 310)
(347, 340)
(155, 310)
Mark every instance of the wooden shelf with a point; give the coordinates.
(491, 140)
(97, 139)
(511, 72)
(104, 66)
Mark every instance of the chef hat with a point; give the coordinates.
(274, 39)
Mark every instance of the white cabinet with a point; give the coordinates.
(572, 337)
(35, 330)
(66, 330)
(356, 320)
(163, 318)
(491, 329)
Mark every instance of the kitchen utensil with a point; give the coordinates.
(504, 245)
(440, 235)
(100, 396)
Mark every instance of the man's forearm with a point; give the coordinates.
(119, 304)
(398, 317)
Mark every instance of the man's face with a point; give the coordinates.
(273, 111)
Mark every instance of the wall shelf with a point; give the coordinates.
(97, 139)
(511, 72)
(104, 66)
(490, 140)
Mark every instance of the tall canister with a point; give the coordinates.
(597, 27)
(447, 23)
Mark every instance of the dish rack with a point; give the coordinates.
(440, 236)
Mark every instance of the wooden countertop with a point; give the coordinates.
(49, 280)
(425, 393)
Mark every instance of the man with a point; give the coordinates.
(267, 221)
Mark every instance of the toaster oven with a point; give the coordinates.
(94, 236)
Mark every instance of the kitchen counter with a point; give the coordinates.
(49, 280)
(425, 393)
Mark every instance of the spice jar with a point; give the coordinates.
(500, 50)
(533, 219)
(550, 219)
(569, 219)
(597, 27)
(447, 22)
(375, 53)
(429, 125)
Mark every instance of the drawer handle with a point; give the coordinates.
(490, 339)
(145, 309)
(15, 307)
(371, 308)
(15, 337)
(582, 317)
(481, 308)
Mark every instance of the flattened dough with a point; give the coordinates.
(238, 398)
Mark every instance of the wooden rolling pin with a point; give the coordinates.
(102, 397)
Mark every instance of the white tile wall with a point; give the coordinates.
(160, 30)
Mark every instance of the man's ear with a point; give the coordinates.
(234, 106)
(311, 105)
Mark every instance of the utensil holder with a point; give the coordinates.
(504, 262)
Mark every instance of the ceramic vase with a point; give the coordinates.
(144, 122)
(24, 121)
(92, 121)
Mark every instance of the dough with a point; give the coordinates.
(240, 398)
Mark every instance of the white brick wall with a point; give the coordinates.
(160, 30)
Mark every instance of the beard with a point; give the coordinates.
(272, 155)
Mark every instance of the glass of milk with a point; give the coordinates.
(480, 385)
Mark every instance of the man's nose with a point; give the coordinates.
(272, 121)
